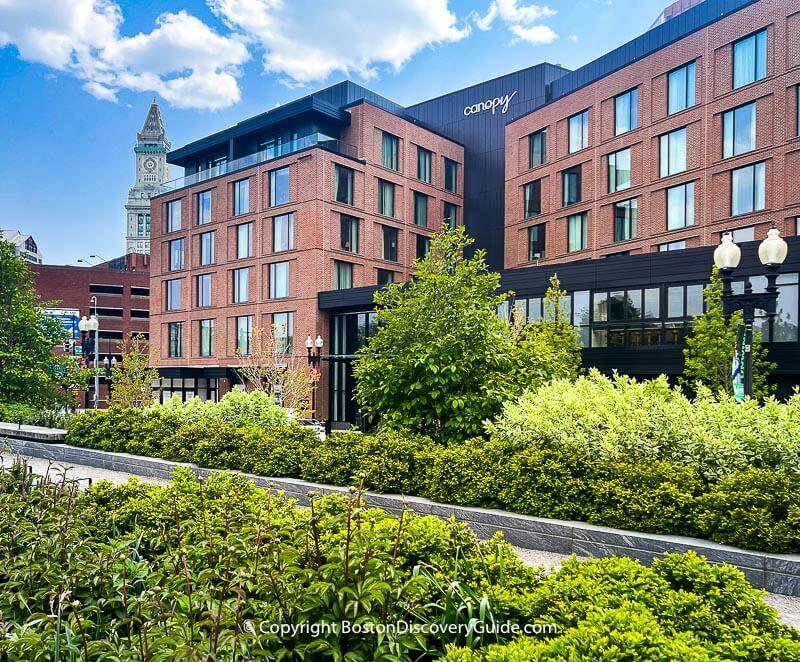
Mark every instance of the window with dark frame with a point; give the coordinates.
(571, 186)
(672, 152)
(532, 198)
(536, 242)
(278, 280)
(206, 248)
(750, 59)
(244, 334)
(389, 243)
(279, 187)
(176, 254)
(241, 197)
(619, 170)
(174, 215)
(385, 276)
(626, 111)
(450, 175)
(244, 241)
(206, 337)
(424, 158)
(423, 245)
(739, 130)
(680, 206)
(748, 188)
(681, 88)
(343, 184)
(579, 131)
(283, 325)
(203, 207)
(537, 148)
(577, 232)
(385, 198)
(241, 285)
(175, 340)
(626, 219)
(420, 209)
(390, 151)
(342, 275)
(173, 294)
(450, 213)
(203, 290)
(283, 233)
(348, 236)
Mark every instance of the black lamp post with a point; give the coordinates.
(771, 252)
(314, 368)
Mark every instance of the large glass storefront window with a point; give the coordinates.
(349, 332)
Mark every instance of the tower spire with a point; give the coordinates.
(153, 129)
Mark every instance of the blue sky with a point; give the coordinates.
(76, 77)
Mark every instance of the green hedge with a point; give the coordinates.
(29, 415)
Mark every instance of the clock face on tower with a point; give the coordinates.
(150, 164)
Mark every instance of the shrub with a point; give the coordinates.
(30, 415)
(278, 451)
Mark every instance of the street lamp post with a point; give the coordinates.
(90, 325)
(314, 368)
(771, 252)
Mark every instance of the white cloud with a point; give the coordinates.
(182, 59)
(307, 40)
(522, 20)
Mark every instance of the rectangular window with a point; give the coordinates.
(176, 254)
(390, 151)
(283, 329)
(278, 187)
(450, 175)
(626, 215)
(680, 206)
(241, 197)
(619, 170)
(420, 209)
(342, 275)
(204, 207)
(424, 165)
(175, 338)
(536, 239)
(173, 216)
(385, 198)
(283, 233)
(671, 246)
(450, 215)
(750, 59)
(388, 243)
(244, 334)
(681, 88)
(206, 337)
(626, 111)
(206, 248)
(343, 184)
(204, 290)
(278, 280)
(385, 276)
(741, 235)
(577, 232)
(571, 181)
(739, 130)
(348, 239)
(241, 282)
(537, 148)
(579, 132)
(173, 288)
(423, 245)
(532, 198)
(673, 152)
(244, 240)
(747, 189)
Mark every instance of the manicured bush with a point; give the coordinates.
(466, 474)
(278, 451)
(30, 415)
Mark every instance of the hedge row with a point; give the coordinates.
(754, 508)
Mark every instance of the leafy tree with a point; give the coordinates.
(27, 336)
(708, 354)
(132, 378)
(441, 360)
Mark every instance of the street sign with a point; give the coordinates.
(69, 319)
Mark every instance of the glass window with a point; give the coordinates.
(694, 300)
(241, 197)
(175, 339)
(739, 130)
(451, 215)
(680, 206)
(348, 235)
(626, 215)
(173, 297)
(176, 254)
(278, 280)
(343, 184)
(278, 187)
(385, 198)
(532, 198)
(388, 243)
(206, 337)
(423, 165)
(744, 234)
(750, 59)
(204, 207)
(681, 88)
(420, 209)
(619, 170)
(675, 301)
(342, 275)
(600, 306)
(423, 245)
(784, 328)
(283, 233)
(173, 216)
(390, 151)
(536, 242)
(244, 334)
(385, 276)
(244, 240)
(272, 147)
(206, 248)
(571, 183)
(673, 152)
(626, 111)
(579, 131)
(747, 189)
(450, 175)
(537, 148)
(204, 290)
(241, 282)
(671, 246)
(283, 325)
(577, 232)
(652, 303)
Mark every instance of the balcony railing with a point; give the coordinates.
(314, 140)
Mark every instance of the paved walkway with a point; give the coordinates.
(788, 607)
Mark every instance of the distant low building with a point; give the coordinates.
(24, 245)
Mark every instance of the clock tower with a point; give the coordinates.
(152, 171)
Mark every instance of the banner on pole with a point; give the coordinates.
(737, 369)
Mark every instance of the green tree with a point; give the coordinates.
(708, 354)
(441, 361)
(28, 372)
(132, 378)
